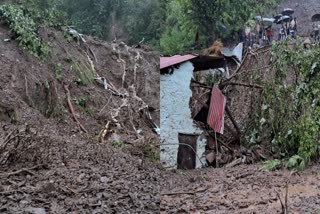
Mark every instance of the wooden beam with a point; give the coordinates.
(233, 121)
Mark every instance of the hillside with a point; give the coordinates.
(102, 163)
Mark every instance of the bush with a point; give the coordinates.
(25, 29)
(292, 115)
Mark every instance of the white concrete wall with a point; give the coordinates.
(175, 114)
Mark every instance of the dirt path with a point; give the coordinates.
(242, 189)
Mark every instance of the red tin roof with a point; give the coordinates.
(173, 60)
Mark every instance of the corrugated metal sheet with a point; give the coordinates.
(173, 60)
(216, 110)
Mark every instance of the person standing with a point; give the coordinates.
(294, 27)
(241, 35)
(283, 32)
(260, 36)
(291, 31)
(248, 36)
(269, 34)
(279, 26)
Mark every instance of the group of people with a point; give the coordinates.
(260, 35)
(256, 36)
(286, 29)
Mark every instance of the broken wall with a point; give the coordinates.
(175, 115)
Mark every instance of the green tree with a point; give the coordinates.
(183, 18)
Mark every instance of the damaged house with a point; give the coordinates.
(183, 140)
(193, 108)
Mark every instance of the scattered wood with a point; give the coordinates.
(201, 86)
(234, 163)
(284, 205)
(94, 56)
(217, 151)
(4, 144)
(71, 190)
(235, 124)
(72, 109)
(221, 142)
(222, 85)
(232, 131)
(185, 193)
(200, 101)
(195, 83)
(257, 69)
(244, 175)
(124, 70)
(238, 69)
(104, 132)
(11, 192)
(258, 51)
(6, 138)
(27, 170)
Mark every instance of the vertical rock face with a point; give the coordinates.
(175, 116)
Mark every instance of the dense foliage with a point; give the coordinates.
(127, 20)
(25, 29)
(290, 113)
(219, 19)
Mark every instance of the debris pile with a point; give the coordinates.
(61, 119)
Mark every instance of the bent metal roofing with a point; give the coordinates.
(176, 59)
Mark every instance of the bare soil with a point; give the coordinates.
(243, 189)
(47, 163)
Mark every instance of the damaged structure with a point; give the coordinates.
(183, 137)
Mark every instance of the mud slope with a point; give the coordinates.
(48, 164)
(243, 189)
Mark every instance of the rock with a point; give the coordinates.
(49, 188)
(36, 210)
(210, 157)
(307, 43)
(24, 202)
(80, 177)
(104, 179)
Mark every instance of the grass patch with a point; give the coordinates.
(83, 71)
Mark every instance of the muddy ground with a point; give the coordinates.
(243, 189)
(51, 164)
(247, 188)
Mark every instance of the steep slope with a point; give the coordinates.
(49, 162)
